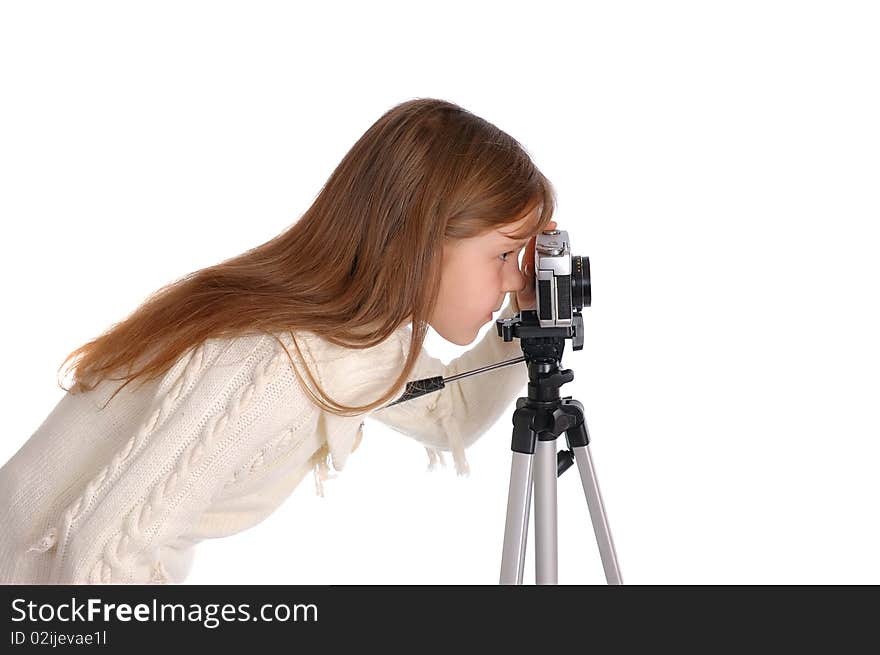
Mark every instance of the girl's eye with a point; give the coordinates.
(504, 255)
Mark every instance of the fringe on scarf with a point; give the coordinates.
(321, 468)
(456, 444)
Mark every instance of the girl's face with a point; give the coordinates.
(476, 275)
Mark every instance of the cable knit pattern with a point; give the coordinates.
(122, 493)
(83, 502)
(117, 549)
(268, 454)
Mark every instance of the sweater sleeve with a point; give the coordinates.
(453, 418)
(171, 485)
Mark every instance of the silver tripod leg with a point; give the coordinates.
(516, 527)
(597, 514)
(546, 528)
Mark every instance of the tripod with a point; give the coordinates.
(538, 421)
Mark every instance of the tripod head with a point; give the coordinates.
(540, 341)
(542, 351)
(542, 348)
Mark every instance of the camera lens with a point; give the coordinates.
(580, 282)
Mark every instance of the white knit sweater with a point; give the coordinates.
(123, 494)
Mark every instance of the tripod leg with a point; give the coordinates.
(516, 527)
(546, 547)
(597, 514)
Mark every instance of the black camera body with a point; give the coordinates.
(562, 280)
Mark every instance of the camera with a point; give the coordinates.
(562, 280)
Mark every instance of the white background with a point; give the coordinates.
(717, 162)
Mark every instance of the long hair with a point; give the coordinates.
(361, 261)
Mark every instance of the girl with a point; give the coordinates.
(257, 370)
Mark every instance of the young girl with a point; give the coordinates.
(257, 370)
